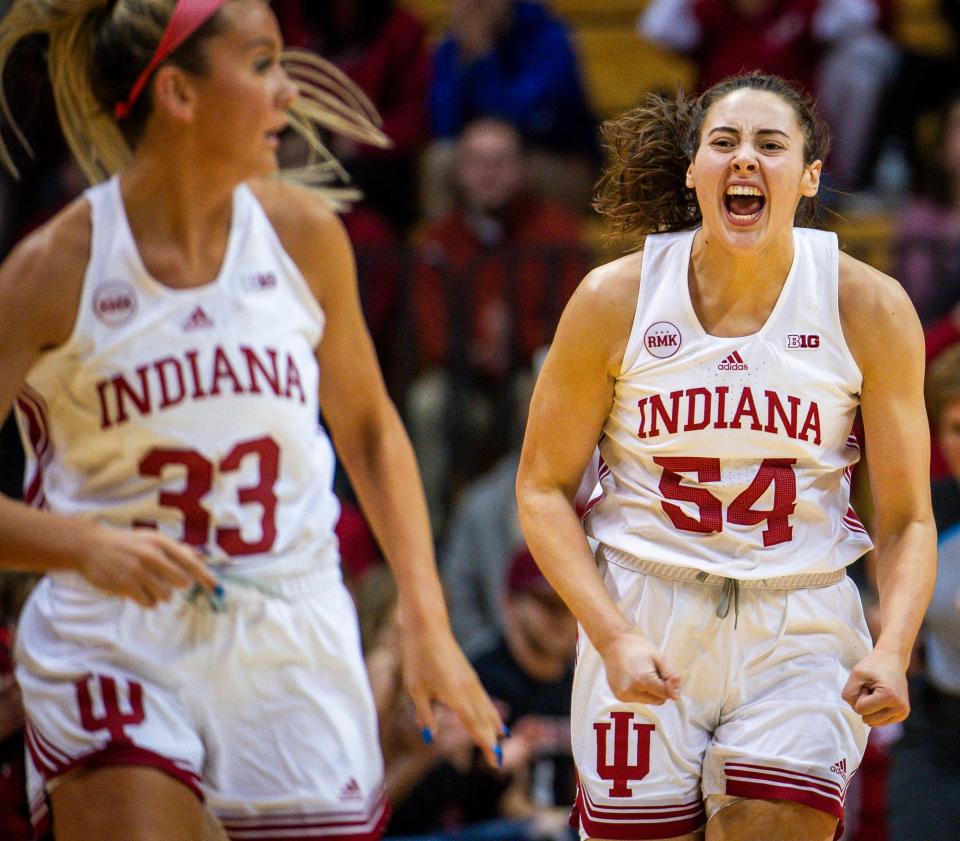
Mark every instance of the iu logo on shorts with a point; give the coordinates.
(620, 770)
(101, 707)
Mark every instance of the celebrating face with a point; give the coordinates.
(748, 172)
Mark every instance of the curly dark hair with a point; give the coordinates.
(643, 190)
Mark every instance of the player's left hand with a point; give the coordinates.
(877, 689)
(435, 669)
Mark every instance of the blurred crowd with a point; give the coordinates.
(474, 230)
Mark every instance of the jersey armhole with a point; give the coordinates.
(843, 344)
(298, 281)
(657, 249)
(97, 233)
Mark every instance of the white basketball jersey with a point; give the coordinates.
(194, 411)
(733, 455)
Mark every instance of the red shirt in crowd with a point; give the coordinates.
(521, 277)
(393, 70)
(780, 39)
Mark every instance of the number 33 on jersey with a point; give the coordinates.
(194, 411)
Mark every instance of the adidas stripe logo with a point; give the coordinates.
(734, 362)
(351, 791)
(197, 321)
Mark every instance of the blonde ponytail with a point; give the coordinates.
(328, 101)
(85, 93)
(70, 25)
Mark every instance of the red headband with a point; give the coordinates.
(187, 17)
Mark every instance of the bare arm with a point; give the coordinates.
(39, 292)
(377, 454)
(572, 399)
(885, 336)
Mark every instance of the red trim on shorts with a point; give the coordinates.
(43, 753)
(347, 825)
(52, 762)
(120, 753)
(762, 782)
(780, 775)
(636, 823)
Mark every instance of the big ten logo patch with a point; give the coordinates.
(662, 339)
(803, 341)
(114, 302)
(109, 704)
(258, 281)
(623, 755)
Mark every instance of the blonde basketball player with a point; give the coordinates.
(726, 682)
(168, 341)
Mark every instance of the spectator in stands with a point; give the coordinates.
(927, 243)
(831, 48)
(943, 406)
(528, 673)
(436, 785)
(379, 255)
(511, 59)
(490, 281)
(440, 790)
(924, 781)
(382, 47)
(484, 535)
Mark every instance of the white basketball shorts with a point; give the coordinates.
(760, 713)
(262, 708)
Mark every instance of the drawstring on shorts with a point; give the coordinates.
(729, 587)
(217, 602)
(729, 592)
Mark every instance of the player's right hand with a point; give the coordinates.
(637, 672)
(140, 564)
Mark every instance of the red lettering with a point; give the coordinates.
(105, 422)
(254, 364)
(657, 409)
(721, 421)
(692, 424)
(812, 424)
(642, 406)
(160, 366)
(293, 380)
(198, 391)
(746, 406)
(775, 406)
(223, 369)
(123, 389)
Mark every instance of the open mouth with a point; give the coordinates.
(744, 203)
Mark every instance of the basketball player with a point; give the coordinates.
(169, 340)
(725, 681)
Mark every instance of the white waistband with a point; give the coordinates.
(679, 573)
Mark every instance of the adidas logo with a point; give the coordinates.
(734, 362)
(351, 791)
(198, 320)
(840, 768)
